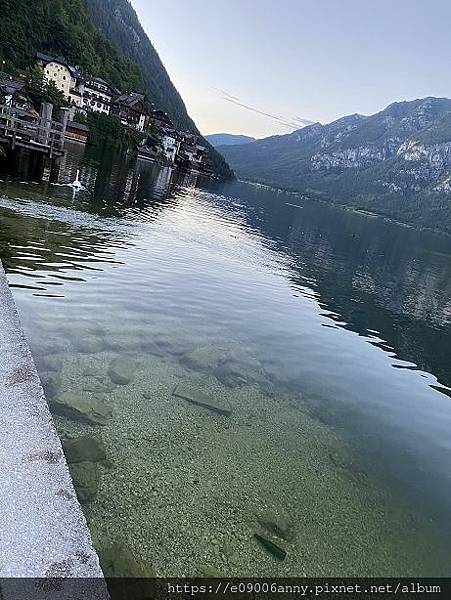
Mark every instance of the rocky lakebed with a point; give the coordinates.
(193, 459)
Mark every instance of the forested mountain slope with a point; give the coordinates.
(119, 23)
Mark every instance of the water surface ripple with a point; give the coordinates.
(338, 326)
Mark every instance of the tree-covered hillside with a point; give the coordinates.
(63, 27)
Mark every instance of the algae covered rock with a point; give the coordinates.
(86, 448)
(237, 371)
(85, 477)
(206, 570)
(121, 370)
(117, 561)
(80, 407)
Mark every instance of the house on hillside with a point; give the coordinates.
(97, 95)
(83, 92)
(131, 110)
(13, 95)
(57, 70)
(12, 91)
(159, 119)
(170, 143)
(192, 152)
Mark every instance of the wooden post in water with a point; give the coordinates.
(45, 122)
(63, 118)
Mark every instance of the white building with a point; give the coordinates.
(57, 70)
(170, 142)
(84, 93)
(97, 95)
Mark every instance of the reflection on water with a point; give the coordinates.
(325, 333)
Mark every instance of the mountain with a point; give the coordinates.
(228, 139)
(102, 37)
(120, 25)
(396, 162)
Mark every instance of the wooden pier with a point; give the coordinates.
(42, 134)
(32, 141)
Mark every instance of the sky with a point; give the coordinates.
(262, 67)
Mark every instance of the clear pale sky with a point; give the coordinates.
(311, 59)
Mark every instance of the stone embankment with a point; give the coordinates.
(43, 532)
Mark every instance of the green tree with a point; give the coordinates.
(41, 90)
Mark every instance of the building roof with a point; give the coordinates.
(11, 86)
(79, 126)
(129, 99)
(90, 78)
(47, 58)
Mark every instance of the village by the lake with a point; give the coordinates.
(33, 132)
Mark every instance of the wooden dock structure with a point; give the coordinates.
(41, 135)
(37, 138)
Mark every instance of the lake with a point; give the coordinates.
(325, 333)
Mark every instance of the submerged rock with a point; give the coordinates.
(172, 344)
(90, 344)
(97, 385)
(124, 343)
(118, 561)
(194, 394)
(121, 370)
(205, 358)
(206, 570)
(277, 522)
(51, 382)
(87, 448)
(80, 407)
(85, 477)
(234, 372)
(51, 362)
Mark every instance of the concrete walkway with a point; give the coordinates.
(43, 532)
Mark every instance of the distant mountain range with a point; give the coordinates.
(228, 139)
(396, 162)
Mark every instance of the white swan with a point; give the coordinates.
(77, 185)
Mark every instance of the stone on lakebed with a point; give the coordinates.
(118, 561)
(85, 448)
(90, 344)
(80, 407)
(121, 370)
(204, 358)
(85, 477)
(192, 393)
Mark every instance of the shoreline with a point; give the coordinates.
(45, 534)
(347, 208)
